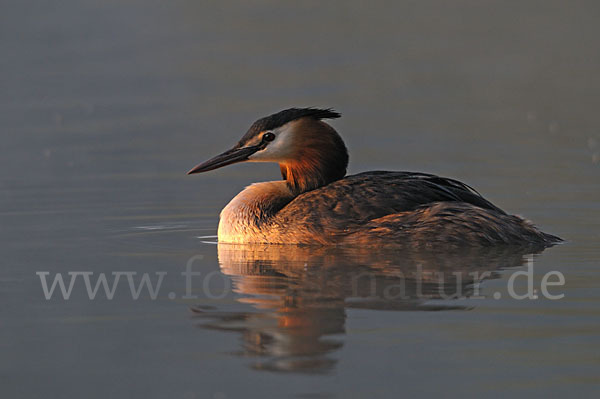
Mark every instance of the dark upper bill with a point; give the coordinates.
(229, 157)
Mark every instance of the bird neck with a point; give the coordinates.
(321, 159)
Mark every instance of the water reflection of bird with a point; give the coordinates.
(316, 204)
(299, 294)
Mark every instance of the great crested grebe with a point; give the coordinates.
(316, 203)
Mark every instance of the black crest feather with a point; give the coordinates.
(287, 115)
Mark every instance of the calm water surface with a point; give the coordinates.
(106, 105)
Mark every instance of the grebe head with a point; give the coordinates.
(310, 152)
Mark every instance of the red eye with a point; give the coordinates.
(268, 136)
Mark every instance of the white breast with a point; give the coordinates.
(244, 219)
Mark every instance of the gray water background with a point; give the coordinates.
(106, 104)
